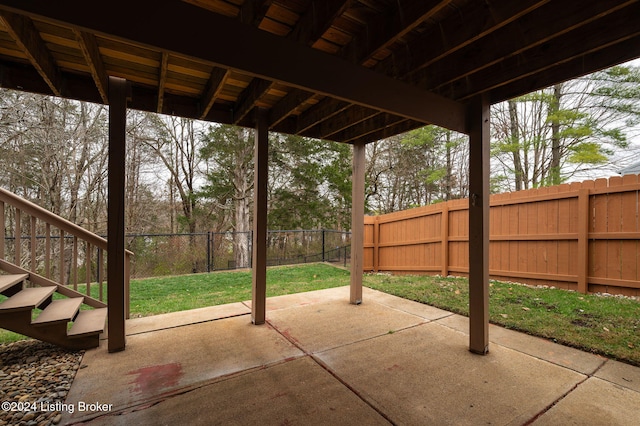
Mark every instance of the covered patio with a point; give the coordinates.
(351, 71)
(320, 361)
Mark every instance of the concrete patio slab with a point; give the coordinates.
(294, 392)
(171, 359)
(565, 356)
(325, 325)
(595, 402)
(426, 375)
(320, 360)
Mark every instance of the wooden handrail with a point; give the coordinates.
(48, 217)
(92, 242)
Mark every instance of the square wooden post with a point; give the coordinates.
(116, 268)
(357, 223)
(479, 158)
(259, 255)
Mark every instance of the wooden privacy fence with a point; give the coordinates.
(581, 236)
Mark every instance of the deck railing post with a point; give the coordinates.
(116, 265)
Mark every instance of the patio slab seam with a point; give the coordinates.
(334, 374)
(137, 333)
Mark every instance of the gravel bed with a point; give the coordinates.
(35, 378)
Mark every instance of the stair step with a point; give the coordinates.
(8, 281)
(28, 298)
(88, 323)
(62, 310)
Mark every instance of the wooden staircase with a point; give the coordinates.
(33, 312)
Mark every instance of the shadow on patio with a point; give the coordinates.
(320, 360)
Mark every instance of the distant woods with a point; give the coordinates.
(187, 176)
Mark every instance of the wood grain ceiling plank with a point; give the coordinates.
(25, 34)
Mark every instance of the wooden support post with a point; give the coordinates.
(259, 261)
(479, 157)
(357, 223)
(115, 209)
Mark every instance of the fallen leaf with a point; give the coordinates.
(605, 329)
(457, 292)
(631, 346)
(524, 308)
(504, 315)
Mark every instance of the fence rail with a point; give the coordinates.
(581, 236)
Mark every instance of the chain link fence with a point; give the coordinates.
(178, 254)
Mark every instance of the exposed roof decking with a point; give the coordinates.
(345, 70)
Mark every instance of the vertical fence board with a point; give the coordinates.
(630, 203)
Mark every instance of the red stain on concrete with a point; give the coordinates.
(154, 379)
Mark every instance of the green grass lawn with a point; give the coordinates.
(608, 326)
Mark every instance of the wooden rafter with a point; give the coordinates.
(461, 29)
(622, 51)
(91, 53)
(391, 28)
(582, 41)
(27, 37)
(324, 110)
(255, 52)
(162, 80)
(342, 121)
(470, 59)
(212, 90)
(318, 19)
(287, 105)
(359, 131)
(254, 91)
(253, 12)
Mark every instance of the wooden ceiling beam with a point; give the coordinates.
(317, 20)
(25, 34)
(247, 100)
(212, 90)
(288, 104)
(617, 53)
(254, 11)
(253, 51)
(457, 31)
(340, 122)
(388, 131)
(383, 30)
(513, 39)
(324, 110)
(162, 80)
(91, 53)
(369, 126)
(582, 41)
